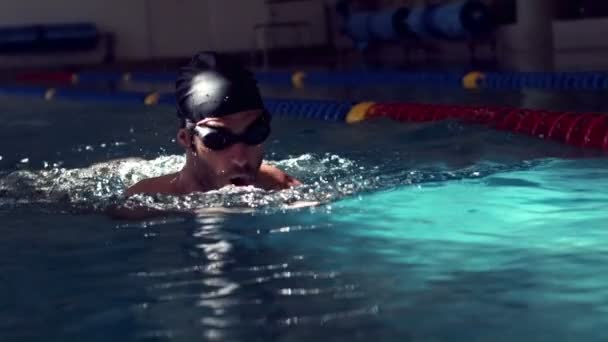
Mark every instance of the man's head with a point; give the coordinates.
(223, 121)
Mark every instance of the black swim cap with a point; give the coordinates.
(213, 85)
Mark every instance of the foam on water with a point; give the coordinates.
(326, 177)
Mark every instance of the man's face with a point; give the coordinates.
(237, 163)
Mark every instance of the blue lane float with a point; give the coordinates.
(79, 95)
(390, 25)
(18, 39)
(387, 25)
(286, 78)
(38, 92)
(299, 109)
(357, 28)
(71, 36)
(49, 37)
(112, 76)
(152, 77)
(453, 21)
(545, 80)
(276, 78)
(309, 109)
(449, 79)
(98, 76)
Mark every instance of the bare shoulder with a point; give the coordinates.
(272, 178)
(163, 184)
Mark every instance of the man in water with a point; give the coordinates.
(223, 124)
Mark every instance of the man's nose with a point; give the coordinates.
(238, 154)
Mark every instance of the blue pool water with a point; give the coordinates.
(431, 232)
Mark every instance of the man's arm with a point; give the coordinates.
(272, 178)
(156, 185)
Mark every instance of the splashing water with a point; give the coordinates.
(326, 177)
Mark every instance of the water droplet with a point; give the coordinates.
(25, 160)
(0, 157)
(103, 145)
(45, 164)
(131, 130)
(88, 148)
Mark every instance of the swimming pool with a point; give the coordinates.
(427, 232)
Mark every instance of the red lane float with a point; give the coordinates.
(57, 77)
(587, 130)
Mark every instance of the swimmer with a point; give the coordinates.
(223, 125)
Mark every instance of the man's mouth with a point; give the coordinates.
(240, 180)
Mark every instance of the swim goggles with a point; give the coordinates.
(218, 138)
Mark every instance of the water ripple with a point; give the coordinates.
(327, 178)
